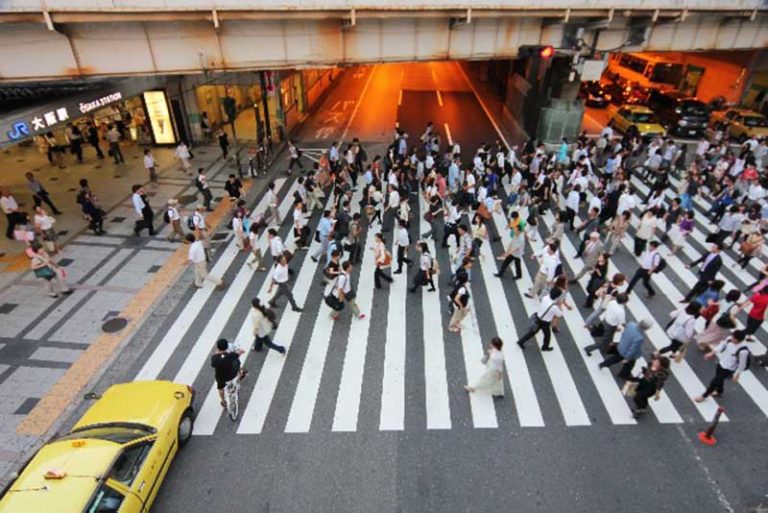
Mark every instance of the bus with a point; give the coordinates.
(648, 71)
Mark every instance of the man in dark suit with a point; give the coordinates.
(710, 266)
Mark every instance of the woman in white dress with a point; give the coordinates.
(492, 380)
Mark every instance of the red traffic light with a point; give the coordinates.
(546, 52)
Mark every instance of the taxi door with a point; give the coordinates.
(136, 469)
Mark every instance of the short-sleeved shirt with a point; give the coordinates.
(760, 303)
(226, 366)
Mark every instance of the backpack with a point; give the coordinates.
(191, 222)
(749, 357)
(166, 217)
(660, 266)
(198, 184)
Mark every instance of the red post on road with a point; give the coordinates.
(706, 437)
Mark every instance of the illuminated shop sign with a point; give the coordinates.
(86, 107)
(159, 117)
(44, 121)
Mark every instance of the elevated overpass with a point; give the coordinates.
(84, 38)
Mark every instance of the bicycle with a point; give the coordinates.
(231, 397)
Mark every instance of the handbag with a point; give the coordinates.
(45, 273)
(334, 302)
(598, 330)
(331, 300)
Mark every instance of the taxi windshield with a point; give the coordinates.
(643, 117)
(114, 432)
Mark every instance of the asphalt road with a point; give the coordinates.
(365, 416)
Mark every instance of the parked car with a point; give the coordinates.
(741, 124)
(680, 114)
(114, 459)
(639, 116)
(593, 94)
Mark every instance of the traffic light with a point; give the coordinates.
(541, 51)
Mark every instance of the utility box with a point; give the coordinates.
(561, 118)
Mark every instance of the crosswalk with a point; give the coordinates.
(386, 372)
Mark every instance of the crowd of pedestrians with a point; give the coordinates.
(611, 193)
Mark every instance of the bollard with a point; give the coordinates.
(706, 437)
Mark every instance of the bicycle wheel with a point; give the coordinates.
(232, 400)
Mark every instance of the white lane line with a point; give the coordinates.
(481, 405)
(439, 98)
(162, 353)
(448, 134)
(482, 104)
(392, 416)
(255, 413)
(400, 98)
(350, 387)
(437, 404)
(483, 409)
(609, 392)
(305, 395)
(359, 102)
(571, 405)
(526, 402)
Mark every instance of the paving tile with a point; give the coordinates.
(118, 219)
(26, 406)
(7, 308)
(64, 262)
(55, 354)
(152, 269)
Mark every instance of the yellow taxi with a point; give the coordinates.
(741, 124)
(639, 116)
(114, 459)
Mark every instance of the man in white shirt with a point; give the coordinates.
(393, 206)
(197, 259)
(607, 132)
(11, 211)
(279, 278)
(614, 318)
(572, 205)
(174, 219)
(333, 156)
(200, 228)
(403, 241)
(451, 220)
(143, 210)
(113, 137)
(273, 205)
(549, 309)
(342, 289)
(649, 262)
(732, 354)
(547, 270)
(149, 165)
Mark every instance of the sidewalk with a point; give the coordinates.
(42, 337)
